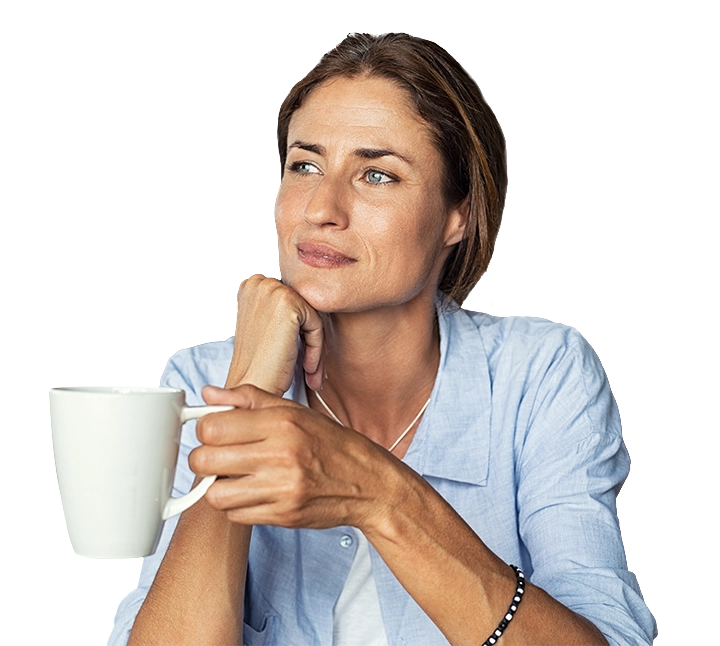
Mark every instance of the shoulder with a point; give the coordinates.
(524, 339)
(519, 329)
(192, 368)
(537, 368)
(557, 382)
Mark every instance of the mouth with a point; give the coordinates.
(307, 249)
(323, 256)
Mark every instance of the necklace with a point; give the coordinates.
(396, 442)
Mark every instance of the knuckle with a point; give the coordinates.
(295, 444)
(288, 421)
(291, 514)
(247, 390)
(250, 283)
(297, 489)
(293, 520)
(255, 279)
(283, 300)
(285, 296)
(286, 457)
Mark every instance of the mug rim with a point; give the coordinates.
(118, 391)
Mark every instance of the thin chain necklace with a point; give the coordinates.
(402, 435)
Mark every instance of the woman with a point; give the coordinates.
(419, 449)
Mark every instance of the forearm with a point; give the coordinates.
(197, 594)
(460, 583)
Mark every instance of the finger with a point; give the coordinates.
(248, 457)
(311, 327)
(254, 503)
(243, 426)
(233, 460)
(244, 396)
(243, 492)
(259, 515)
(208, 460)
(315, 380)
(268, 514)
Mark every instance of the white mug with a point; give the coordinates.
(115, 453)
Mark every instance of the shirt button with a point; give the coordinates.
(346, 541)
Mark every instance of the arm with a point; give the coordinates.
(297, 468)
(569, 464)
(461, 584)
(196, 596)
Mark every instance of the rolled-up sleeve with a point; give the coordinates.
(570, 468)
(129, 607)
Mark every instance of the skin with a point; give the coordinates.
(388, 215)
(363, 232)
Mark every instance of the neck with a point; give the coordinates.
(381, 367)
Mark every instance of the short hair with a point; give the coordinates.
(465, 131)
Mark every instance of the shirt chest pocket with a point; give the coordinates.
(261, 636)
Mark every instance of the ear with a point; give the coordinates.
(456, 222)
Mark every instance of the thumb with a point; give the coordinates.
(243, 396)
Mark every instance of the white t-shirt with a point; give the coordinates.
(357, 620)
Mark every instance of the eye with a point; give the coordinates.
(303, 168)
(378, 177)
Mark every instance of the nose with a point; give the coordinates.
(327, 204)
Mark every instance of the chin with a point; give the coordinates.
(343, 298)
(320, 297)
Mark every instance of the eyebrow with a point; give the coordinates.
(364, 153)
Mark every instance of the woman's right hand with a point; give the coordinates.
(270, 318)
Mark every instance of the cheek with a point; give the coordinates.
(282, 209)
(286, 210)
(414, 237)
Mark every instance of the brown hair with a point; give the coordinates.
(466, 132)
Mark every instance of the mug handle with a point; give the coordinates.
(175, 506)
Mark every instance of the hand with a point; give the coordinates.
(289, 465)
(270, 318)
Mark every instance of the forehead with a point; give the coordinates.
(358, 109)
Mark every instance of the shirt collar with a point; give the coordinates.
(453, 438)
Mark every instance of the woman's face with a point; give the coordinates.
(361, 218)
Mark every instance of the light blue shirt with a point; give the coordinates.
(522, 437)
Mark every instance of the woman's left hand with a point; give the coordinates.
(288, 465)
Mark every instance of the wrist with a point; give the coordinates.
(269, 383)
(402, 496)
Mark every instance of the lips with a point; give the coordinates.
(319, 249)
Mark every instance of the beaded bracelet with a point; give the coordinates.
(517, 598)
